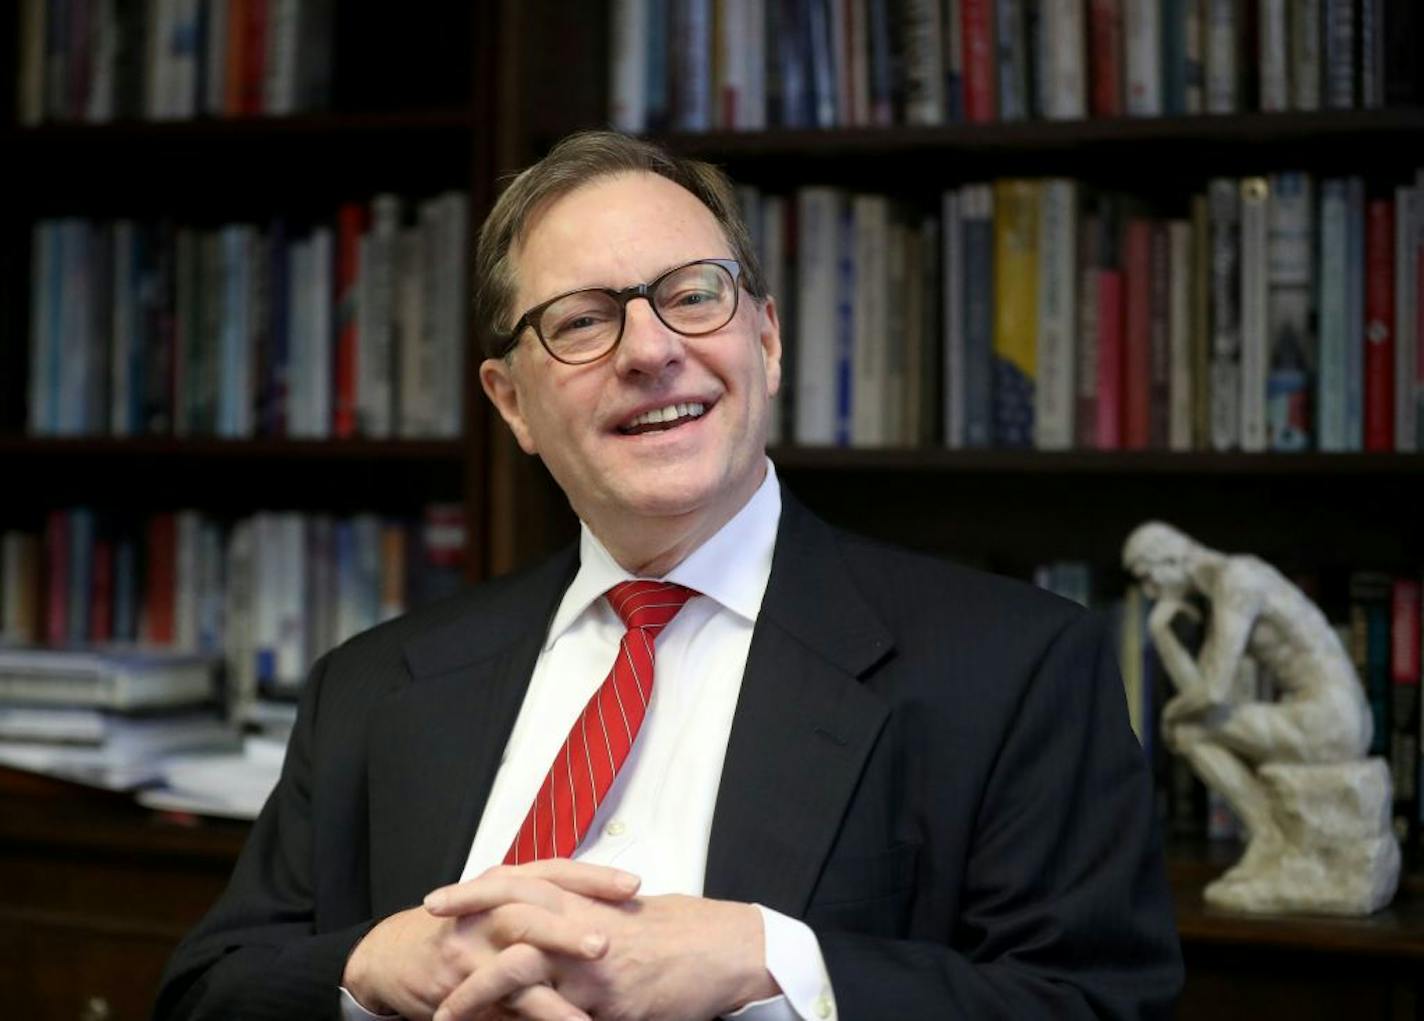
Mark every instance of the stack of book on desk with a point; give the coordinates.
(106, 718)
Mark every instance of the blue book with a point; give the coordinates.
(1012, 60)
(1174, 57)
(125, 588)
(659, 107)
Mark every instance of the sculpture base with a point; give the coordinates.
(1332, 850)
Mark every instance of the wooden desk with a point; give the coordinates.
(95, 892)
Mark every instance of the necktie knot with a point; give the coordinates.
(647, 605)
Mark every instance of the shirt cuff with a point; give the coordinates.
(793, 957)
(351, 1010)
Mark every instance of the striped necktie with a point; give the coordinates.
(601, 737)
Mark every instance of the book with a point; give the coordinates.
(1182, 374)
(1105, 58)
(818, 216)
(1340, 49)
(1292, 343)
(1404, 752)
(1012, 59)
(1015, 352)
(1408, 209)
(1063, 56)
(1306, 72)
(1222, 34)
(1334, 325)
(121, 681)
(1255, 310)
(1379, 421)
(1057, 314)
(981, 298)
(1273, 56)
(980, 49)
(1137, 334)
(1142, 48)
(1370, 611)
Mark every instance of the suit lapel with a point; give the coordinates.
(804, 723)
(437, 746)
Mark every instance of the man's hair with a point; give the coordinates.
(578, 160)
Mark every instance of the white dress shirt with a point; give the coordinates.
(657, 817)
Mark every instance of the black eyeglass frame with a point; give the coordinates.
(530, 319)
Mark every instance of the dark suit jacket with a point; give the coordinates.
(931, 766)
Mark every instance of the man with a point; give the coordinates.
(865, 783)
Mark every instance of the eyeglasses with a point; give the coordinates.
(693, 299)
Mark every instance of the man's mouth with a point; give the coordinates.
(662, 419)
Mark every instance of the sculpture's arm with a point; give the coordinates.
(1176, 660)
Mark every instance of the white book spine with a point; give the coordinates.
(1179, 331)
(454, 228)
(731, 64)
(1057, 314)
(818, 249)
(1407, 203)
(375, 301)
(1305, 67)
(279, 83)
(1274, 56)
(1063, 48)
(1222, 75)
(319, 334)
(43, 281)
(773, 264)
(1255, 324)
(953, 325)
(215, 87)
(1142, 49)
(871, 233)
(1334, 331)
(410, 318)
(628, 65)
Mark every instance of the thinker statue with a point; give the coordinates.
(1315, 810)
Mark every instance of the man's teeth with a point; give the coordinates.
(668, 414)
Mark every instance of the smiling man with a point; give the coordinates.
(717, 759)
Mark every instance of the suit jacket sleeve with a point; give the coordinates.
(1063, 904)
(258, 954)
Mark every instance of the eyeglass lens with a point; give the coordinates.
(692, 300)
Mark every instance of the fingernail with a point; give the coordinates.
(627, 882)
(434, 901)
(594, 943)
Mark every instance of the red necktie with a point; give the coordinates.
(584, 768)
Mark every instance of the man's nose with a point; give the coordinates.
(648, 346)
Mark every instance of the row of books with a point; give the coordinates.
(1281, 313)
(266, 593)
(703, 65)
(351, 329)
(1379, 625)
(101, 60)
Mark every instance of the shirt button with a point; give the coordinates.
(616, 828)
(824, 1007)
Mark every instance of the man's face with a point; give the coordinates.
(615, 232)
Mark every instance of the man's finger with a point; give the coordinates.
(507, 883)
(521, 923)
(509, 977)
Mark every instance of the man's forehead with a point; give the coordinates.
(614, 230)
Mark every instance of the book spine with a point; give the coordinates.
(775, 259)
(215, 49)
(1406, 302)
(1355, 263)
(1223, 32)
(1179, 325)
(1137, 337)
(1225, 214)
(1402, 71)
(1105, 57)
(1305, 68)
(1201, 323)
(981, 293)
(1405, 708)
(818, 223)
(924, 69)
(1057, 315)
(1015, 364)
(351, 225)
(1371, 54)
(977, 18)
(869, 215)
(843, 352)
(821, 65)
(1112, 309)
(375, 362)
(1063, 50)
(413, 418)
(1012, 60)
(44, 301)
(1334, 330)
(1086, 352)
(1194, 29)
(1174, 57)
(1340, 54)
(279, 84)
(1379, 329)
(1292, 347)
(1273, 56)
(159, 618)
(952, 289)
(1255, 315)
(953, 62)
(57, 577)
(1159, 346)
(1142, 32)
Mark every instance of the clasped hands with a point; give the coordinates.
(560, 940)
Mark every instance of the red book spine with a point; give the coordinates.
(1110, 327)
(254, 58)
(234, 73)
(56, 628)
(977, 18)
(350, 224)
(101, 593)
(1105, 58)
(1137, 346)
(1379, 326)
(160, 579)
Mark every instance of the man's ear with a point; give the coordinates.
(769, 336)
(497, 378)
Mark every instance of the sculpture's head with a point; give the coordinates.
(1158, 555)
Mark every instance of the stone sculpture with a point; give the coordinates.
(1316, 810)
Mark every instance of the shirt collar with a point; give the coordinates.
(732, 567)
